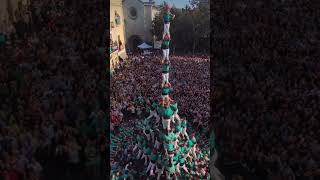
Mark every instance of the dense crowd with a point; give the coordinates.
(266, 85)
(134, 86)
(191, 85)
(52, 118)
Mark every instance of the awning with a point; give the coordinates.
(144, 46)
(123, 54)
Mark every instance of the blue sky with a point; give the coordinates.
(177, 3)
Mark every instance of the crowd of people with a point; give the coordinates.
(52, 114)
(135, 85)
(266, 85)
(190, 88)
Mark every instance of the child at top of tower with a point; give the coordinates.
(167, 18)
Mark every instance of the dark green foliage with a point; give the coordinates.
(190, 30)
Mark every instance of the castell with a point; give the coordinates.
(172, 146)
(165, 144)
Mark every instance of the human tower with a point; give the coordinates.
(167, 149)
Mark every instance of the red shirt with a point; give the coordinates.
(113, 119)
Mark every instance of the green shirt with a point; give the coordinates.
(183, 124)
(165, 91)
(167, 17)
(142, 143)
(164, 162)
(159, 109)
(178, 127)
(165, 68)
(184, 150)
(148, 128)
(166, 138)
(174, 106)
(190, 143)
(154, 157)
(162, 136)
(171, 169)
(147, 150)
(170, 147)
(165, 44)
(154, 106)
(115, 178)
(176, 156)
(193, 139)
(172, 136)
(200, 155)
(167, 113)
(182, 161)
(191, 165)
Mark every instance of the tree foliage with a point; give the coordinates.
(190, 30)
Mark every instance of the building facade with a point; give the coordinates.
(138, 21)
(117, 33)
(9, 8)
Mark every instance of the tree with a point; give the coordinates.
(191, 28)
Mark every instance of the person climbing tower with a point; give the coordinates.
(167, 18)
(166, 47)
(165, 72)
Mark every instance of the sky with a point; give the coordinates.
(177, 3)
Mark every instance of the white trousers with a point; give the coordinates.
(150, 167)
(166, 53)
(184, 132)
(164, 96)
(165, 78)
(139, 154)
(135, 147)
(145, 157)
(176, 143)
(166, 29)
(171, 158)
(172, 119)
(192, 151)
(178, 134)
(166, 123)
(157, 144)
(176, 116)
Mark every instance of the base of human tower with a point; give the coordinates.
(141, 148)
(162, 151)
(179, 157)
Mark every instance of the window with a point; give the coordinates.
(133, 13)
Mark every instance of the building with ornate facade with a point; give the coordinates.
(117, 33)
(139, 15)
